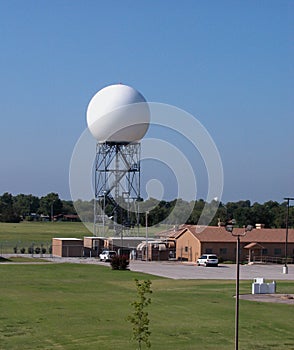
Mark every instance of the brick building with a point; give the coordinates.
(259, 244)
(67, 247)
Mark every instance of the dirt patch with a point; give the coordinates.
(270, 298)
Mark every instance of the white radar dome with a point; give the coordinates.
(118, 113)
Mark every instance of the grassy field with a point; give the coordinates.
(25, 233)
(69, 306)
(75, 306)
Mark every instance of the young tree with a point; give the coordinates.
(139, 318)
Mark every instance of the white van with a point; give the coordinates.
(106, 255)
(208, 260)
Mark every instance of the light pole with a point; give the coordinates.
(146, 224)
(285, 268)
(230, 228)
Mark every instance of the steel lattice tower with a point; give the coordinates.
(117, 186)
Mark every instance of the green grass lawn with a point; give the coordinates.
(41, 231)
(25, 233)
(76, 306)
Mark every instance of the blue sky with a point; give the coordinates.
(229, 63)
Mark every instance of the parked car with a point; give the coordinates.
(208, 260)
(106, 255)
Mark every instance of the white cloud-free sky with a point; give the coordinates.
(228, 63)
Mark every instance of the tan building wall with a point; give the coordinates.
(56, 247)
(227, 250)
(93, 246)
(91, 242)
(271, 250)
(154, 253)
(187, 247)
(224, 250)
(191, 249)
(64, 247)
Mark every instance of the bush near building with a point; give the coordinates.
(119, 262)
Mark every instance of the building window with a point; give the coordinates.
(186, 249)
(223, 251)
(208, 251)
(264, 252)
(278, 251)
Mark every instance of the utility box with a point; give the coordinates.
(260, 287)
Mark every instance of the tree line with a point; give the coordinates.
(28, 207)
(271, 213)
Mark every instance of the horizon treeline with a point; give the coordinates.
(50, 207)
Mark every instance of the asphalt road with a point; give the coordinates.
(177, 270)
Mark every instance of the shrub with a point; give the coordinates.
(23, 250)
(114, 262)
(37, 250)
(43, 250)
(31, 250)
(119, 262)
(15, 250)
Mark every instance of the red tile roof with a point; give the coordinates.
(219, 234)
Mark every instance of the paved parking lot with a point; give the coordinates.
(177, 270)
(183, 270)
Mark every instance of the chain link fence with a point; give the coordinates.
(19, 247)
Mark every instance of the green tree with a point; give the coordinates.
(7, 212)
(68, 207)
(262, 214)
(50, 205)
(196, 211)
(243, 216)
(25, 204)
(139, 318)
(179, 212)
